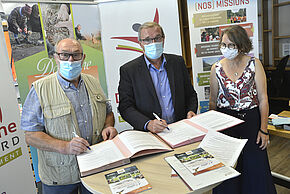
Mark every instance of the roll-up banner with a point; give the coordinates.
(120, 23)
(207, 19)
(15, 169)
(32, 51)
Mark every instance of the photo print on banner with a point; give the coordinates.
(39, 28)
(208, 19)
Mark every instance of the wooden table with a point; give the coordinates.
(280, 132)
(154, 168)
(278, 178)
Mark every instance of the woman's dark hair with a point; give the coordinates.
(239, 36)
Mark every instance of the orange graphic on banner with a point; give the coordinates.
(91, 70)
(9, 50)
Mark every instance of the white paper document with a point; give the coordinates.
(192, 130)
(180, 132)
(223, 148)
(92, 157)
(117, 152)
(215, 121)
(202, 180)
(137, 141)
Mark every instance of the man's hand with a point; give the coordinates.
(190, 114)
(109, 133)
(19, 30)
(25, 30)
(156, 126)
(76, 146)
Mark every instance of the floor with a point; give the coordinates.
(279, 157)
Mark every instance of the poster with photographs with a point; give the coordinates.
(33, 31)
(208, 19)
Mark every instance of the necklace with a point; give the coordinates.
(236, 74)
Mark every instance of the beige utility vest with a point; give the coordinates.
(60, 121)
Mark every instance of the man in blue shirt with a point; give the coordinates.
(64, 113)
(155, 83)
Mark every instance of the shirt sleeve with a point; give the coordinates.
(32, 115)
(108, 107)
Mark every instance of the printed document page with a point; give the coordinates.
(202, 180)
(224, 148)
(214, 120)
(198, 161)
(99, 155)
(136, 141)
(180, 132)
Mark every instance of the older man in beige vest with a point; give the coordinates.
(64, 113)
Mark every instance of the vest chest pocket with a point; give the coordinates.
(54, 111)
(59, 122)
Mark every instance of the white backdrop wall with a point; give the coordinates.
(118, 20)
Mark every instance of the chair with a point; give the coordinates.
(276, 79)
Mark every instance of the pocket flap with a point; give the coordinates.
(55, 111)
(100, 98)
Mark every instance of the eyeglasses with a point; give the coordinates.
(158, 38)
(66, 56)
(230, 46)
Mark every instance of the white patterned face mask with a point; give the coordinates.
(229, 53)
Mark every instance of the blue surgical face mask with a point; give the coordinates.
(229, 53)
(154, 50)
(70, 70)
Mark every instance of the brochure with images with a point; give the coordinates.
(211, 163)
(198, 161)
(127, 180)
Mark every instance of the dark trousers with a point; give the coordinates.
(64, 189)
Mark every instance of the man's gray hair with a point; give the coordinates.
(149, 25)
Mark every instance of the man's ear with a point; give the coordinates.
(142, 47)
(55, 57)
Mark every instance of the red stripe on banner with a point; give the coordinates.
(156, 18)
(132, 39)
(0, 115)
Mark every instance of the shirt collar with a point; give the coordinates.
(150, 65)
(20, 11)
(66, 84)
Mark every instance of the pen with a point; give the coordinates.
(158, 118)
(76, 135)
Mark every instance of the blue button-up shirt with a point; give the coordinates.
(32, 115)
(162, 88)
